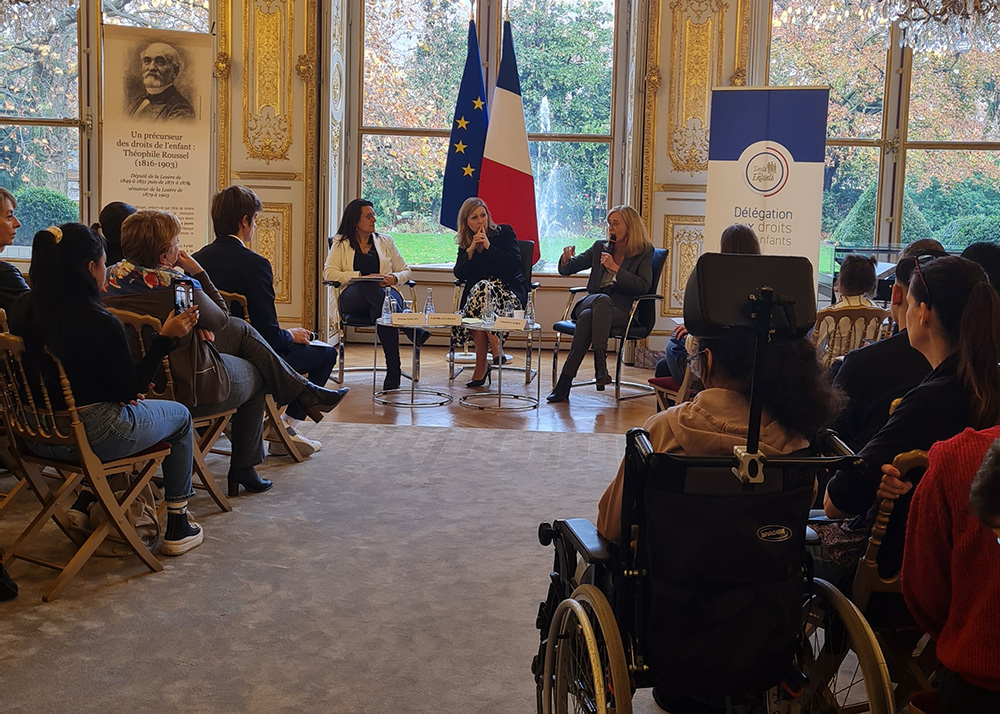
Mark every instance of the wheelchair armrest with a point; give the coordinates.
(816, 515)
(578, 289)
(585, 538)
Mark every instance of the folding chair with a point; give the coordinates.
(28, 420)
(208, 429)
(272, 412)
(6, 456)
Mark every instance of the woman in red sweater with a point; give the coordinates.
(951, 565)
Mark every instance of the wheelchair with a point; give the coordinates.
(712, 593)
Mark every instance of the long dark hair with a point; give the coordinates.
(62, 287)
(796, 391)
(110, 225)
(348, 228)
(739, 238)
(968, 309)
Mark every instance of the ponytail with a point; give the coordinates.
(978, 352)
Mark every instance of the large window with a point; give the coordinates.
(42, 123)
(913, 137)
(413, 60)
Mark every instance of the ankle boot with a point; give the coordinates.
(416, 335)
(248, 477)
(601, 369)
(560, 392)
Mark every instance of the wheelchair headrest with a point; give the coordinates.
(718, 300)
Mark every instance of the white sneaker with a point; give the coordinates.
(306, 447)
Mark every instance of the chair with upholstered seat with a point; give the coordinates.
(208, 429)
(29, 416)
(842, 329)
(641, 320)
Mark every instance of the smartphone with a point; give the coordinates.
(183, 294)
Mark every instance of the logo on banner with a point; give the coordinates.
(767, 170)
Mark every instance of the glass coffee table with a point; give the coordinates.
(498, 400)
(412, 396)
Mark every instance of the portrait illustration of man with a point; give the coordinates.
(160, 67)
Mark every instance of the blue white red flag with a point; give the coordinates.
(468, 137)
(507, 184)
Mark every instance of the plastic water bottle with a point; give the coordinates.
(387, 309)
(428, 304)
(489, 317)
(529, 312)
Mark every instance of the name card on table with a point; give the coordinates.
(405, 319)
(510, 323)
(444, 318)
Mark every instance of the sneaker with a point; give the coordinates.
(78, 515)
(306, 447)
(183, 534)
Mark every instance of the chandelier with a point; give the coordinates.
(945, 25)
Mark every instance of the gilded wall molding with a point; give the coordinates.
(739, 77)
(268, 36)
(697, 49)
(273, 240)
(652, 88)
(223, 73)
(684, 236)
(310, 223)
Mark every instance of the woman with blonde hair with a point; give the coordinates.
(621, 268)
(489, 259)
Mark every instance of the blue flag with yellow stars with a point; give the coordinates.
(468, 137)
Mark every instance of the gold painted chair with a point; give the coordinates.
(7, 459)
(840, 330)
(29, 415)
(208, 429)
(273, 424)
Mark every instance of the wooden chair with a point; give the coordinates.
(669, 392)
(840, 330)
(28, 420)
(208, 429)
(7, 459)
(272, 412)
(910, 656)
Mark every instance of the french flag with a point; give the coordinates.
(506, 183)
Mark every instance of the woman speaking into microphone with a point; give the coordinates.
(620, 269)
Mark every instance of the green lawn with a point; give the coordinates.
(440, 249)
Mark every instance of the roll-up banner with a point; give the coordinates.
(766, 154)
(156, 137)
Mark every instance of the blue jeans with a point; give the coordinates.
(115, 432)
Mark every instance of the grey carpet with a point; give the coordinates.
(397, 570)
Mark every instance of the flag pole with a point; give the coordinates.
(506, 13)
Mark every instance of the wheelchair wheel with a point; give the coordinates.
(585, 668)
(842, 660)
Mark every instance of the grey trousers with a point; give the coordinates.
(595, 315)
(255, 371)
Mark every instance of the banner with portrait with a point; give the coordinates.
(156, 137)
(766, 156)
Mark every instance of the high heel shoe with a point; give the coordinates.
(601, 376)
(560, 393)
(325, 400)
(507, 359)
(488, 377)
(249, 479)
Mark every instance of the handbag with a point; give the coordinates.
(200, 375)
(844, 541)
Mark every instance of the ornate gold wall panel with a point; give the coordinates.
(273, 240)
(267, 75)
(697, 51)
(739, 78)
(223, 70)
(306, 70)
(684, 236)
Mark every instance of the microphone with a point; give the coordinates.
(609, 245)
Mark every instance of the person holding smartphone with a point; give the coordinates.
(620, 269)
(489, 259)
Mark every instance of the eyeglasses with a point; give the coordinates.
(694, 363)
(916, 266)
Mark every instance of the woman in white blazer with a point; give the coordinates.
(358, 250)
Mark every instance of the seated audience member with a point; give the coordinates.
(988, 256)
(951, 565)
(873, 376)
(64, 315)
(235, 268)
(798, 402)
(738, 238)
(952, 319)
(110, 226)
(12, 285)
(143, 283)
(855, 284)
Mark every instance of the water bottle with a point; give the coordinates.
(387, 309)
(489, 317)
(529, 312)
(428, 304)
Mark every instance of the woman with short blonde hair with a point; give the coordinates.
(148, 235)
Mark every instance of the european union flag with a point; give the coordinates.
(468, 137)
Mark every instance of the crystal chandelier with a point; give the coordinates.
(945, 25)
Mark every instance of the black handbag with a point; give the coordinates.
(8, 588)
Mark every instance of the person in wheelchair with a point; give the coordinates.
(798, 403)
(953, 319)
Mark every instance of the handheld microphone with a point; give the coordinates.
(609, 245)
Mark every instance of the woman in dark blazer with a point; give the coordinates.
(620, 269)
(488, 258)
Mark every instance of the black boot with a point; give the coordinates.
(601, 369)
(248, 477)
(560, 392)
(389, 337)
(416, 335)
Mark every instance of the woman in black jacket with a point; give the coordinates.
(489, 259)
(64, 314)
